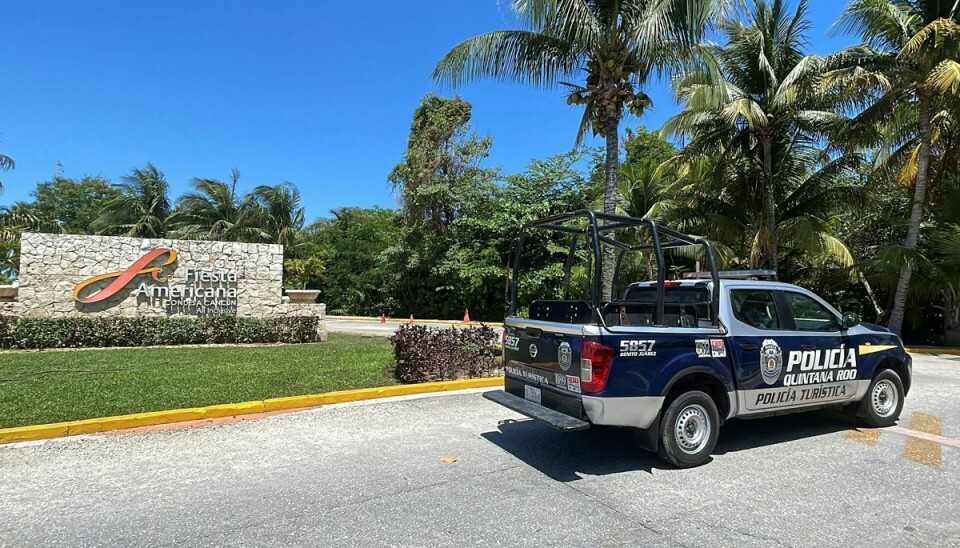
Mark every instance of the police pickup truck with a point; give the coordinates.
(675, 359)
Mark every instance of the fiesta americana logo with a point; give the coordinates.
(121, 279)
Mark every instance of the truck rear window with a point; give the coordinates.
(671, 295)
(682, 307)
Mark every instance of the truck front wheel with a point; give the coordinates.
(884, 400)
(689, 430)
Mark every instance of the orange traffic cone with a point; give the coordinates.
(411, 319)
(466, 315)
(383, 318)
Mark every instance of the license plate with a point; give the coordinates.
(532, 393)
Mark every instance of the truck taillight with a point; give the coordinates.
(595, 360)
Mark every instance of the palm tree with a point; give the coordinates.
(755, 96)
(6, 164)
(909, 60)
(947, 248)
(214, 211)
(14, 220)
(720, 197)
(143, 208)
(282, 214)
(934, 262)
(613, 47)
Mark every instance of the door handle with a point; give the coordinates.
(533, 332)
(808, 347)
(749, 347)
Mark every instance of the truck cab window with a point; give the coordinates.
(755, 308)
(808, 314)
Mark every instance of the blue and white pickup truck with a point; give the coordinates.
(675, 359)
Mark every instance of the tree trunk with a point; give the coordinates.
(611, 131)
(916, 214)
(769, 198)
(873, 298)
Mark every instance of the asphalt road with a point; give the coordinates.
(374, 327)
(459, 470)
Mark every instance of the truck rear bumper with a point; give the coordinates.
(637, 412)
(555, 419)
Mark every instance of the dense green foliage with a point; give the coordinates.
(46, 387)
(74, 205)
(611, 49)
(840, 171)
(108, 331)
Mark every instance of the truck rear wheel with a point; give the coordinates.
(884, 399)
(689, 430)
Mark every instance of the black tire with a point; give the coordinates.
(689, 429)
(884, 400)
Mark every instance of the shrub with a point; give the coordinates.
(103, 331)
(423, 354)
(8, 334)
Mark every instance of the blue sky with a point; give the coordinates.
(317, 93)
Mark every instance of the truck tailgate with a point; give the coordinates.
(542, 365)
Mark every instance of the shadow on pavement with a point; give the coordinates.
(738, 435)
(564, 456)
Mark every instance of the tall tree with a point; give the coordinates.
(74, 204)
(612, 47)
(216, 211)
(142, 208)
(442, 160)
(909, 59)
(352, 242)
(282, 215)
(720, 197)
(6, 164)
(756, 96)
(15, 220)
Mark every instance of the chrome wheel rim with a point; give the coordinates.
(692, 429)
(884, 398)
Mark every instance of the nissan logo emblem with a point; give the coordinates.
(533, 351)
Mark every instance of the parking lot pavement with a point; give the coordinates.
(461, 470)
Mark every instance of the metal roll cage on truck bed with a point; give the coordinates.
(673, 359)
(596, 232)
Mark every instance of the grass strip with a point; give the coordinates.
(45, 387)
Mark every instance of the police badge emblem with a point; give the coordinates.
(771, 361)
(565, 356)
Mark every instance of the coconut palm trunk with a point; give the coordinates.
(769, 199)
(916, 212)
(611, 133)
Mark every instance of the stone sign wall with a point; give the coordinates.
(74, 275)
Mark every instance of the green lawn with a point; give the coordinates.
(44, 387)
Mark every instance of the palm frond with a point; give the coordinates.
(527, 57)
(945, 77)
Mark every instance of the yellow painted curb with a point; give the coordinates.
(933, 350)
(153, 418)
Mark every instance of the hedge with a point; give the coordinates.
(103, 331)
(423, 354)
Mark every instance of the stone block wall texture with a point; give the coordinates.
(51, 265)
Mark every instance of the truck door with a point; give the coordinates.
(772, 351)
(822, 364)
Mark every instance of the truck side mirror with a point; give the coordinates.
(849, 320)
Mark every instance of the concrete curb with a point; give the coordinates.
(153, 418)
(932, 350)
(415, 321)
